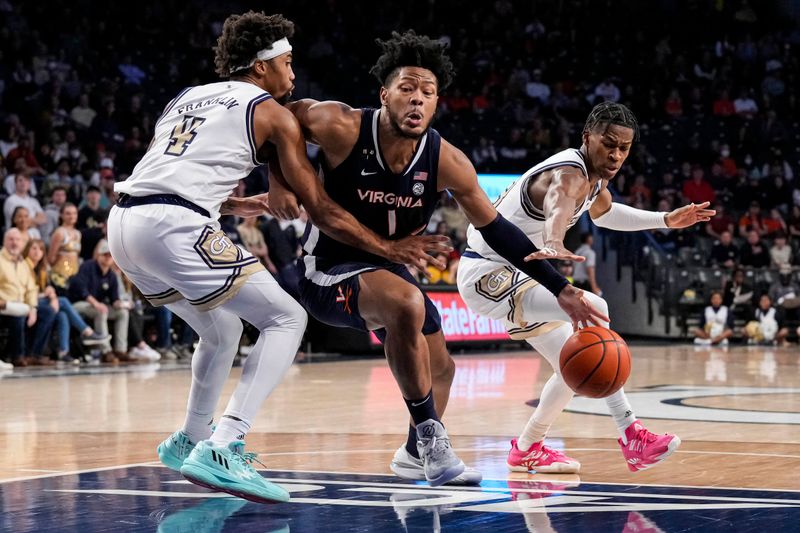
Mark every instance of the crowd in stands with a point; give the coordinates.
(710, 82)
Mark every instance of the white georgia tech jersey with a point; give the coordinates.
(204, 143)
(515, 205)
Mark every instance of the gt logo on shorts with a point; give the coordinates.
(218, 251)
(497, 279)
(219, 244)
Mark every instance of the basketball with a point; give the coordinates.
(595, 362)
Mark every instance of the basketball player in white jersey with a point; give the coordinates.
(546, 201)
(165, 235)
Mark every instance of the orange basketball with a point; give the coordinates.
(595, 362)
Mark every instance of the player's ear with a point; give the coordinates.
(384, 95)
(586, 137)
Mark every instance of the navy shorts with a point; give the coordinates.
(332, 296)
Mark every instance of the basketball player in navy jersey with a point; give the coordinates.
(387, 167)
(165, 235)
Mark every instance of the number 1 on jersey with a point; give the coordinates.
(392, 222)
(183, 134)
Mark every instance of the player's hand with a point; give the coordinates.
(580, 311)
(555, 250)
(417, 249)
(689, 215)
(253, 206)
(283, 204)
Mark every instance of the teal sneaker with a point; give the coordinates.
(175, 449)
(229, 469)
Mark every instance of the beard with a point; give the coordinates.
(283, 100)
(398, 130)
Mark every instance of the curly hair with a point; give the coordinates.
(608, 113)
(412, 50)
(243, 36)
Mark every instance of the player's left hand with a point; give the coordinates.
(554, 250)
(689, 215)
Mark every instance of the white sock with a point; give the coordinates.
(621, 410)
(229, 430)
(555, 395)
(197, 425)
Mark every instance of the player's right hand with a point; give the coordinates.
(283, 204)
(580, 310)
(419, 250)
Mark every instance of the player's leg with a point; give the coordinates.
(281, 322)
(642, 449)
(389, 302)
(219, 333)
(221, 462)
(529, 451)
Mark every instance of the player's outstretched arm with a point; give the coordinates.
(617, 216)
(568, 186)
(457, 174)
(278, 126)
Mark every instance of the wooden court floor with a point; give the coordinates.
(737, 412)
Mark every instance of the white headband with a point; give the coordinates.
(279, 47)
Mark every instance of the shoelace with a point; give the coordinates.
(247, 458)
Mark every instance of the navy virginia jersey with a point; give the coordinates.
(392, 205)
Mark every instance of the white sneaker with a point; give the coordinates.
(145, 353)
(6, 366)
(702, 342)
(723, 342)
(440, 462)
(406, 466)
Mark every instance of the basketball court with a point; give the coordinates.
(79, 449)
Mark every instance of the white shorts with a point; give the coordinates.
(170, 252)
(498, 291)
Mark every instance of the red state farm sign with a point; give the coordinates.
(460, 323)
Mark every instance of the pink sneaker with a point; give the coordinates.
(644, 449)
(540, 458)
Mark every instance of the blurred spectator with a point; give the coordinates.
(584, 272)
(606, 90)
(745, 106)
(754, 253)
(58, 197)
(24, 151)
(723, 106)
(567, 269)
(65, 247)
(766, 325)
(82, 114)
(21, 220)
(66, 316)
(484, 156)
(716, 323)
(18, 296)
(91, 221)
(784, 290)
(9, 183)
(774, 223)
(724, 253)
(640, 192)
(21, 198)
(720, 222)
(698, 190)
(537, 89)
(752, 221)
(131, 300)
(737, 293)
(253, 241)
(94, 293)
(794, 222)
(780, 252)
